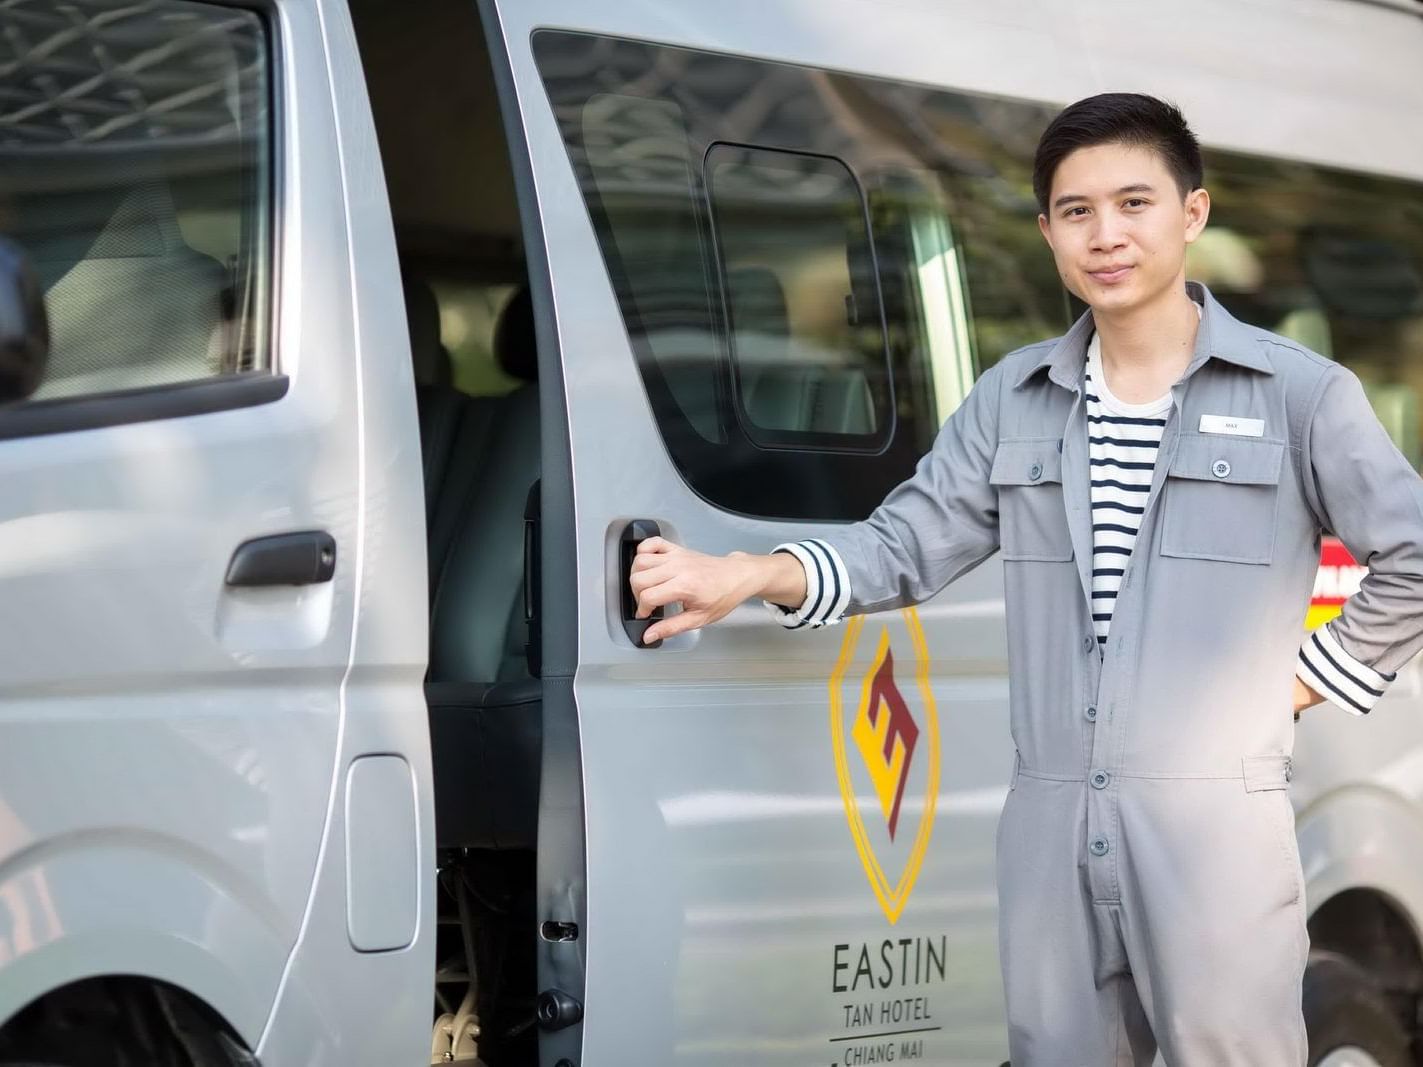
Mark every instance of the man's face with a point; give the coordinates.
(1118, 225)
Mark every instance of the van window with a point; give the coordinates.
(792, 252)
(638, 173)
(803, 311)
(923, 281)
(1330, 259)
(134, 150)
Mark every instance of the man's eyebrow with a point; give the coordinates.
(1072, 198)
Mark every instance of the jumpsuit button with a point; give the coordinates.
(1091, 713)
(1220, 468)
(1099, 846)
(1100, 780)
(1089, 643)
(1035, 471)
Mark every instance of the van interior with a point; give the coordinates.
(472, 342)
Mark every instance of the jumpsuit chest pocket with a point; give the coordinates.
(1032, 517)
(1221, 498)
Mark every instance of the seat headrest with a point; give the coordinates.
(430, 360)
(515, 347)
(109, 222)
(758, 303)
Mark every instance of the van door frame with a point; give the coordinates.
(562, 878)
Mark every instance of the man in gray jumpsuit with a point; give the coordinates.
(1149, 883)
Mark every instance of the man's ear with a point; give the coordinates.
(1198, 211)
(1043, 227)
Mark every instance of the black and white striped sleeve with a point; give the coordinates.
(827, 586)
(1331, 672)
(1363, 490)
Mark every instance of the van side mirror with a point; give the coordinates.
(24, 326)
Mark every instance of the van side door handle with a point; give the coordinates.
(633, 534)
(304, 558)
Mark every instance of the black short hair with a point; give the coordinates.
(1119, 118)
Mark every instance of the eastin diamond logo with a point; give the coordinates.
(889, 779)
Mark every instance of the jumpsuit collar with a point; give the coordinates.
(1220, 336)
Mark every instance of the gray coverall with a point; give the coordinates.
(1149, 881)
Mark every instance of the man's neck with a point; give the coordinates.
(1146, 349)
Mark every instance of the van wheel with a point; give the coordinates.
(117, 1022)
(1347, 1017)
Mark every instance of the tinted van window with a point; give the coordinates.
(1331, 259)
(792, 252)
(134, 173)
(803, 311)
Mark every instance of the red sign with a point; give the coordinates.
(1336, 580)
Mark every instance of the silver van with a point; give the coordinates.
(347, 349)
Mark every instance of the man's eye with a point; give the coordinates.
(1075, 212)
(1136, 201)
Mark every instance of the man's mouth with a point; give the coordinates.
(1109, 275)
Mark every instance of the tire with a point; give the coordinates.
(1347, 1017)
(116, 1023)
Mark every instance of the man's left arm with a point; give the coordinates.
(1362, 489)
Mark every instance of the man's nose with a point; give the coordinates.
(1108, 233)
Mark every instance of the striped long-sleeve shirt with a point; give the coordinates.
(1122, 444)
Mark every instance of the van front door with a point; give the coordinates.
(183, 528)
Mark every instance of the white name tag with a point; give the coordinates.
(1230, 424)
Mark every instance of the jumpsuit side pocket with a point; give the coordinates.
(1268, 777)
(1004, 815)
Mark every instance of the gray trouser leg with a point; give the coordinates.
(1202, 951)
(1070, 1004)
(1214, 921)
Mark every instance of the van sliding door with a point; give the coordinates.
(752, 284)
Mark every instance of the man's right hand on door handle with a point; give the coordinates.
(707, 587)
